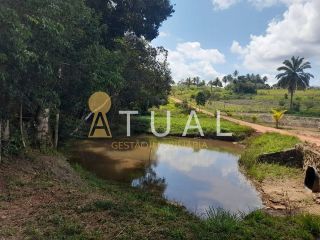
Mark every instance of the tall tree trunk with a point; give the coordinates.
(43, 127)
(6, 133)
(56, 131)
(291, 100)
(21, 127)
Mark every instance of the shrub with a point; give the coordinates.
(296, 106)
(254, 119)
(185, 105)
(309, 104)
(215, 96)
(282, 103)
(201, 99)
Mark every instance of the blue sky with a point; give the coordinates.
(211, 38)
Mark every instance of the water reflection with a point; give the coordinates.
(197, 178)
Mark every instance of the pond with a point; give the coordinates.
(198, 174)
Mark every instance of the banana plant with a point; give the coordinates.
(278, 115)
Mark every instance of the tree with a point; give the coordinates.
(142, 17)
(225, 80)
(196, 81)
(293, 76)
(235, 73)
(188, 82)
(55, 54)
(277, 116)
(217, 82)
(201, 99)
(265, 79)
(211, 84)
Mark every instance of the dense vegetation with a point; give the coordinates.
(267, 143)
(238, 84)
(304, 102)
(55, 54)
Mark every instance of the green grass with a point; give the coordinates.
(263, 102)
(259, 225)
(123, 212)
(145, 213)
(267, 143)
(179, 118)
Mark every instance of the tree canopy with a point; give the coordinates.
(56, 53)
(293, 76)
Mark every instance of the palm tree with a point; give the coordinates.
(235, 73)
(188, 82)
(277, 116)
(196, 81)
(217, 82)
(225, 80)
(293, 76)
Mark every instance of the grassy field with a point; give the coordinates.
(179, 118)
(263, 102)
(267, 143)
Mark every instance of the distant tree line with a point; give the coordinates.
(246, 84)
(55, 53)
(239, 84)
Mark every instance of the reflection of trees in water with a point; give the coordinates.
(151, 182)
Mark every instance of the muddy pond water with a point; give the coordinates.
(199, 174)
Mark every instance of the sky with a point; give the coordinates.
(212, 38)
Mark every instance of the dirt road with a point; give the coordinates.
(260, 128)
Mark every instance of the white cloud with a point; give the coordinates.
(184, 159)
(223, 4)
(164, 34)
(269, 3)
(297, 34)
(237, 49)
(260, 4)
(189, 59)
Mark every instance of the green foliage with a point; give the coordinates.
(260, 103)
(171, 222)
(277, 116)
(310, 103)
(143, 17)
(246, 84)
(293, 76)
(201, 99)
(56, 54)
(267, 143)
(254, 119)
(185, 105)
(296, 106)
(179, 118)
(282, 103)
(13, 146)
